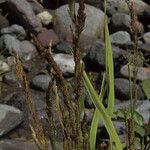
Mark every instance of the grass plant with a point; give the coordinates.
(74, 129)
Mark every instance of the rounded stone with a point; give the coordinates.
(94, 24)
(3, 67)
(120, 38)
(10, 117)
(146, 37)
(45, 17)
(46, 37)
(15, 30)
(41, 82)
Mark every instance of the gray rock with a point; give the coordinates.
(121, 22)
(146, 37)
(24, 14)
(15, 30)
(41, 82)
(142, 74)
(11, 78)
(114, 6)
(142, 107)
(3, 67)
(63, 47)
(144, 110)
(36, 7)
(20, 144)
(25, 49)
(10, 117)
(3, 1)
(66, 63)
(120, 38)
(94, 24)
(9, 42)
(3, 21)
(17, 145)
(145, 47)
(95, 58)
(18, 100)
(122, 89)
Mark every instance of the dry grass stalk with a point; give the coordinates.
(50, 107)
(78, 22)
(36, 125)
(68, 114)
(134, 62)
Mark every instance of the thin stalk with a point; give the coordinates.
(36, 125)
(78, 22)
(133, 28)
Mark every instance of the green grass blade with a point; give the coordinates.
(146, 87)
(109, 67)
(96, 119)
(93, 129)
(105, 116)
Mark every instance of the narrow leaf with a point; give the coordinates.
(146, 87)
(109, 66)
(105, 116)
(96, 119)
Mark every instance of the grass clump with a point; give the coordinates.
(74, 129)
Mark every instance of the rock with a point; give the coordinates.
(3, 21)
(9, 42)
(19, 101)
(14, 30)
(45, 17)
(146, 37)
(24, 14)
(45, 37)
(11, 78)
(21, 144)
(66, 63)
(63, 47)
(11, 61)
(142, 74)
(114, 6)
(144, 110)
(36, 7)
(142, 107)
(93, 25)
(145, 47)
(121, 22)
(25, 49)
(10, 117)
(3, 67)
(3, 1)
(122, 89)
(17, 145)
(41, 82)
(95, 58)
(120, 38)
